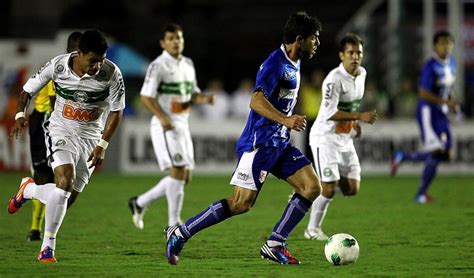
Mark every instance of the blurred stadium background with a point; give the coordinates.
(227, 41)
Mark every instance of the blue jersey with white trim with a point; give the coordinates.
(279, 79)
(438, 77)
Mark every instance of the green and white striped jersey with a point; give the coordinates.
(172, 81)
(82, 103)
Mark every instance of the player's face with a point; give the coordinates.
(173, 43)
(444, 47)
(91, 62)
(352, 57)
(309, 46)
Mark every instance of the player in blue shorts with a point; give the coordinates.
(264, 147)
(434, 103)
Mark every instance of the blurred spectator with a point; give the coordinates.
(240, 99)
(374, 99)
(220, 109)
(310, 100)
(405, 101)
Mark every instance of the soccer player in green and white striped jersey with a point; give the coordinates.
(169, 88)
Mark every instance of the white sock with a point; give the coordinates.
(29, 192)
(39, 192)
(56, 207)
(175, 196)
(156, 192)
(318, 212)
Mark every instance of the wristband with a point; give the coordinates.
(103, 144)
(19, 115)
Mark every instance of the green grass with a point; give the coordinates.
(397, 237)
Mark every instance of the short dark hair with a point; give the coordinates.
(350, 38)
(73, 41)
(170, 27)
(442, 34)
(93, 41)
(300, 24)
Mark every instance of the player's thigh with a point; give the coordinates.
(326, 161)
(305, 182)
(83, 166)
(64, 170)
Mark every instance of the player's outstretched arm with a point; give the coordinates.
(20, 117)
(262, 106)
(98, 154)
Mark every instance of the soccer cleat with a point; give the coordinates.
(279, 254)
(397, 159)
(47, 255)
(18, 200)
(33, 235)
(174, 244)
(423, 199)
(137, 213)
(315, 234)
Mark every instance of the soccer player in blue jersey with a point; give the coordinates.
(264, 147)
(435, 101)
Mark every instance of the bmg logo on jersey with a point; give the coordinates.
(80, 115)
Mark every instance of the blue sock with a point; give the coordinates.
(415, 156)
(215, 213)
(294, 212)
(431, 165)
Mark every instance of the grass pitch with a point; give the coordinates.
(397, 237)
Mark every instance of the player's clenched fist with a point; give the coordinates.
(296, 122)
(368, 117)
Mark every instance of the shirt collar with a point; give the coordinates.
(168, 56)
(296, 64)
(441, 61)
(344, 72)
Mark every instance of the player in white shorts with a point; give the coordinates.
(169, 89)
(335, 157)
(90, 97)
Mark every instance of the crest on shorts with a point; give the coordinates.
(327, 172)
(60, 143)
(263, 176)
(177, 157)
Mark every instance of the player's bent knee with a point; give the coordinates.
(311, 190)
(65, 183)
(351, 192)
(239, 207)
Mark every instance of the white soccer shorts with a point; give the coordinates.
(65, 149)
(331, 163)
(173, 148)
(243, 176)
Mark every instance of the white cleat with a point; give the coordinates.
(137, 213)
(315, 234)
